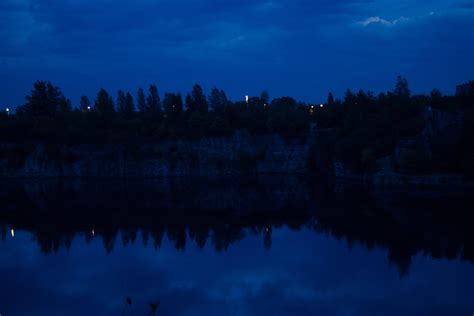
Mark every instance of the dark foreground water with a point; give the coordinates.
(260, 246)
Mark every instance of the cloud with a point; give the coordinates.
(176, 43)
(379, 20)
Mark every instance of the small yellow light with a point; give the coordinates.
(12, 232)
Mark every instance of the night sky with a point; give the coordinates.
(288, 47)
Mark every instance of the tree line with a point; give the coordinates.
(366, 127)
(48, 115)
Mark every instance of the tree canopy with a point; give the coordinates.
(153, 104)
(104, 104)
(366, 127)
(45, 100)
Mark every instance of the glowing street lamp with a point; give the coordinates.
(8, 111)
(321, 105)
(247, 99)
(12, 232)
(88, 108)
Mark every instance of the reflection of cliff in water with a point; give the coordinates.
(222, 212)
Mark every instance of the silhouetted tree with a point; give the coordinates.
(141, 102)
(287, 117)
(217, 100)
(436, 98)
(436, 94)
(129, 105)
(121, 101)
(173, 103)
(104, 103)
(366, 128)
(401, 88)
(45, 100)
(349, 97)
(265, 97)
(330, 99)
(189, 103)
(153, 100)
(196, 101)
(214, 99)
(361, 97)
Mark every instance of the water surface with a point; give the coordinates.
(261, 246)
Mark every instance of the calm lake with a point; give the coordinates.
(254, 246)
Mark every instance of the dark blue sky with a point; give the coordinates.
(301, 48)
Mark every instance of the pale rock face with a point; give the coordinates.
(241, 153)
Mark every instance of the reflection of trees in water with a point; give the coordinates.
(267, 241)
(401, 243)
(128, 307)
(220, 235)
(438, 234)
(219, 214)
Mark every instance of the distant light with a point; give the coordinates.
(93, 232)
(246, 99)
(8, 111)
(312, 106)
(266, 229)
(88, 108)
(12, 232)
(321, 105)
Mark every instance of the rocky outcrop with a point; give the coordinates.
(411, 161)
(241, 153)
(442, 132)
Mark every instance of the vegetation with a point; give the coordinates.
(394, 125)
(48, 116)
(367, 127)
